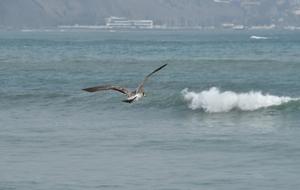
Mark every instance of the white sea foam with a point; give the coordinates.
(213, 100)
(258, 37)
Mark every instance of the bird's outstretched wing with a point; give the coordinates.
(108, 87)
(141, 86)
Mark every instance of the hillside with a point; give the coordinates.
(45, 13)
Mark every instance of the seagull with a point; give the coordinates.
(132, 96)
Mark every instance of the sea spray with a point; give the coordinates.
(213, 100)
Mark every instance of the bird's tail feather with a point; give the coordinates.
(129, 100)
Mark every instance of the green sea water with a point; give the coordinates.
(224, 113)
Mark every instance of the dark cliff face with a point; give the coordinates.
(45, 13)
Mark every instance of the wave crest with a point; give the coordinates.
(213, 100)
(258, 37)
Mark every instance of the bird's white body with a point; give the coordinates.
(135, 97)
(139, 96)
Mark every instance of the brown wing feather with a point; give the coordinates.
(141, 86)
(108, 87)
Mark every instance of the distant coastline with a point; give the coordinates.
(99, 28)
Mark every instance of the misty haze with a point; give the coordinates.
(16, 14)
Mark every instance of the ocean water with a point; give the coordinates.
(224, 113)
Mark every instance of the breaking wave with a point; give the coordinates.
(214, 101)
(259, 37)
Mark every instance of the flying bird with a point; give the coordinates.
(131, 95)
